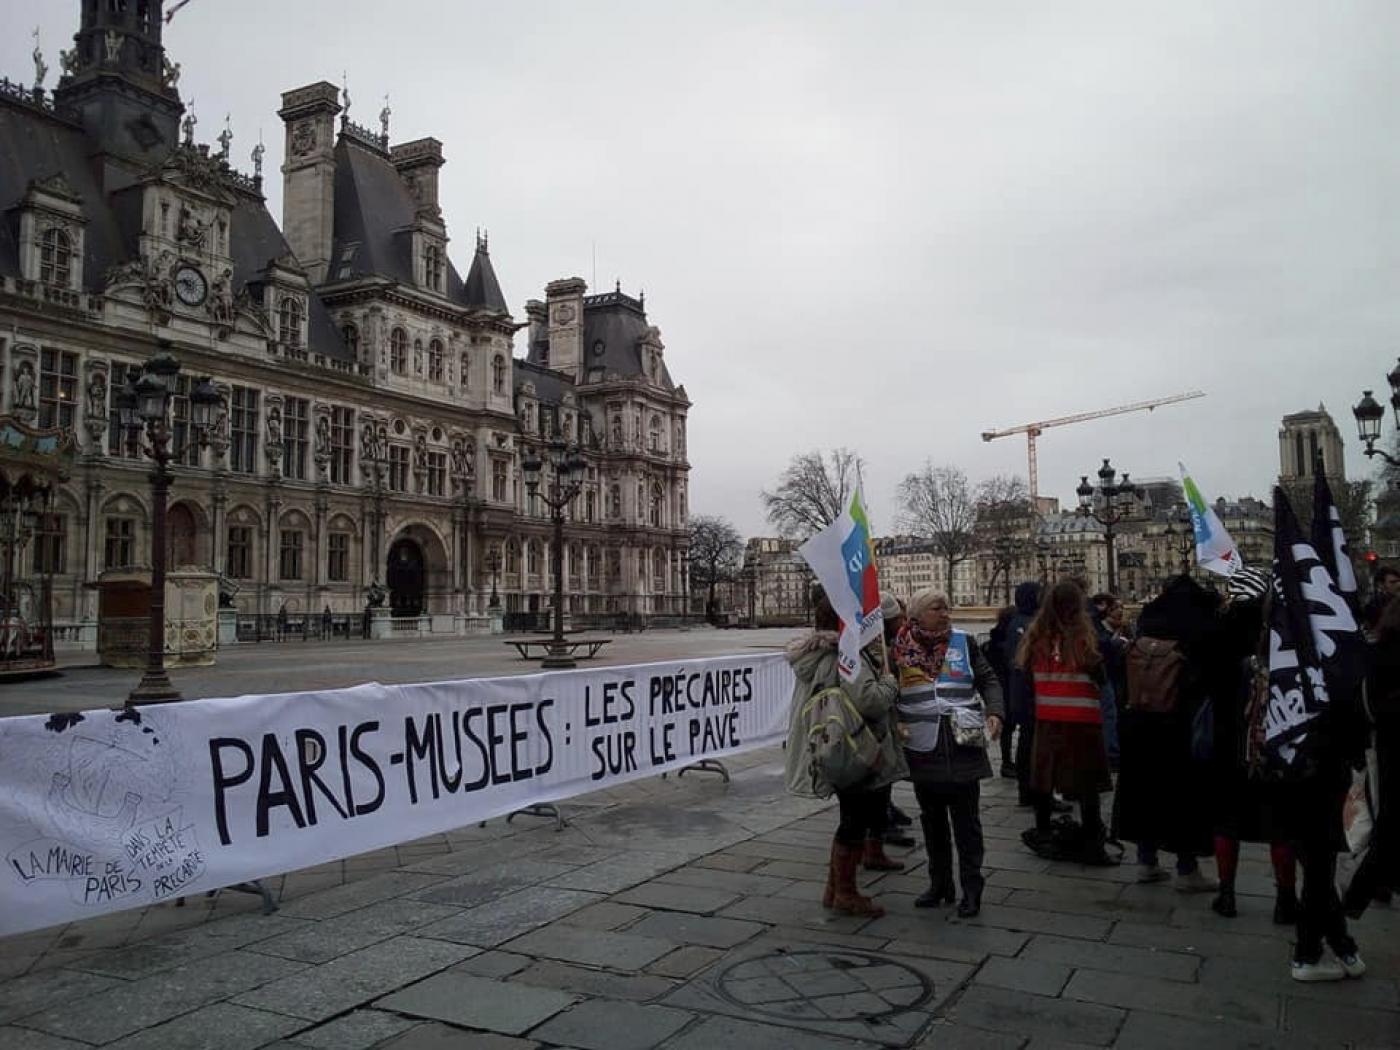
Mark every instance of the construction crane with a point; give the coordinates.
(1034, 430)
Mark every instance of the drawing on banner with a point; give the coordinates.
(105, 830)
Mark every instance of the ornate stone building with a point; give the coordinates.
(374, 417)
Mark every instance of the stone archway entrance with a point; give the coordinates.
(405, 575)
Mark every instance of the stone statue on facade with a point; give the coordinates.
(257, 156)
(188, 124)
(221, 305)
(367, 455)
(24, 387)
(169, 71)
(322, 453)
(68, 61)
(97, 397)
(113, 42)
(384, 120)
(225, 138)
(189, 228)
(274, 430)
(617, 432)
(41, 68)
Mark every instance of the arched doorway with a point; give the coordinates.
(405, 576)
(182, 532)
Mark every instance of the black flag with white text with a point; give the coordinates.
(1330, 540)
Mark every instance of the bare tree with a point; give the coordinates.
(813, 491)
(716, 555)
(937, 504)
(1005, 523)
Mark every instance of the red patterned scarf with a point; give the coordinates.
(916, 647)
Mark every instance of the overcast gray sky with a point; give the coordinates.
(894, 225)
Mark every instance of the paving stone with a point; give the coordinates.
(711, 931)
(357, 1030)
(491, 882)
(493, 964)
(1315, 1019)
(933, 936)
(444, 1037)
(502, 920)
(321, 992)
(220, 1026)
(1082, 926)
(27, 1039)
(1111, 908)
(1274, 978)
(602, 1025)
(640, 987)
(685, 961)
(1200, 942)
(359, 894)
(478, 1002)
(1026, 975)
(617, 873)
(944, 1035)
(134, 1005)
(805, 911)
(998, 1009)
(1146, 1030)
(734, 881)
(672, 897)
(331, 938)
(787, 869)
(737, 1034)
(1141, 962)
(729, 862)
(617, 951)
(605, 915)
(188, 946)
(1228, 1002)
(26, 995)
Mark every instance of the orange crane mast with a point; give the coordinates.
(1034, 430)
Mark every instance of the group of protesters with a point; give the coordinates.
(1166, 715)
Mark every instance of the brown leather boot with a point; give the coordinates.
(829, 894)
(875, 859)
(848, 899)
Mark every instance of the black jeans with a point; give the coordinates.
(1320, 918)
(1025, 737)
(862, 811)
(882, 818)
(963, 804)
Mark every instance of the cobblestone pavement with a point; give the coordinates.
(684, 913)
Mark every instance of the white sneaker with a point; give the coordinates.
(1152, 873)
(1323, 970)
(1195, 882)
(1353, 964)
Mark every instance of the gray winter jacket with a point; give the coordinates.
(813, 660)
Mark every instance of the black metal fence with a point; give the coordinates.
(277, 627)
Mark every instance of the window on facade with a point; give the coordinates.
(589, 506)
(498, 480)
(338, 557)
(243, 430)
(240, 552)
(465, 378)
(398, 468)
(654, 439)
(183, 446)
(119, 549)
(432, 267)
(398, 351)
(657, 500)
(51, 544)
(296, 423)
(58, 388)
(289, 318)
(351, 335)
(342, 444)
(56, 258)
(532, 558)
(435, 360)
(437, 473)
(116, 437)
(512, 557)
(289, 563)
(498, 374)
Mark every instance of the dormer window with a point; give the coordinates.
(289, 319)
(432, 267)
(56, 258)
(398, 351)
(351, 335)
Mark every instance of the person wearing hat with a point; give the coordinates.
(942, 673)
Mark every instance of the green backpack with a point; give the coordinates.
(844, 751)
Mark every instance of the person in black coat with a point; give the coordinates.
(1020, 712)
(1383, 701)
(1001, 666)
(1163, 799)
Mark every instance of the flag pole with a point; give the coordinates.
(884, 644)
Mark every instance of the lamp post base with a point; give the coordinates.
(155, 688)
(560, 661)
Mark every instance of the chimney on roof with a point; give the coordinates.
(539, 322)
(308, 175)
(417, 163)
(565, 306)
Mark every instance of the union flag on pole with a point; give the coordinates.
(842, 556)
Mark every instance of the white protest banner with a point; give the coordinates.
(106, 810)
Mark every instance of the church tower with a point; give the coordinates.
(119, 81)
(1306, 437)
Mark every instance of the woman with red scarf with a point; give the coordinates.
(1064, 672)
(941, 673)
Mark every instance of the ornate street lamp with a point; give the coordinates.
(1109, 503)
(143, 408)
(566, 481)
(1369, 413)
(493, 562)
(374, 460)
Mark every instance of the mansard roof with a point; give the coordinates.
(614, 327)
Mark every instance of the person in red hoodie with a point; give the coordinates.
(1062, 670)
